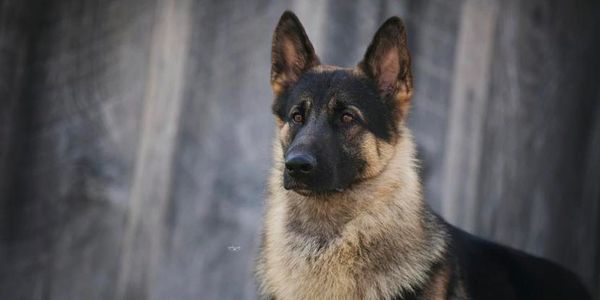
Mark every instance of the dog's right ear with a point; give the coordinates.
(292, 53)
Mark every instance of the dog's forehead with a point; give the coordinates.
(324, 84)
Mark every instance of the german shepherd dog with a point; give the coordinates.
(345, 216)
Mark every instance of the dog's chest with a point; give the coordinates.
(303, 273)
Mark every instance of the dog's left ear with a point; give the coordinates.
(292, 53)
(387, 62)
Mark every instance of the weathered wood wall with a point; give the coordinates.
(135, 135)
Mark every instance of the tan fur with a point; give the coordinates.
(403, 95)
(438, 286)
(278, 86)
(369, 242)
(377, 154)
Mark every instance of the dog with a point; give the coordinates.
(345, 216)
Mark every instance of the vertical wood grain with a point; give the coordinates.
(467, 111)
(143, 237)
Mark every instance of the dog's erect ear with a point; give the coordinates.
(387, 62)
(292, 53)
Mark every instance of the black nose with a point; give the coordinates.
(300, 164)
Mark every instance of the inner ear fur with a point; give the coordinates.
(387, 62)
(292, 53)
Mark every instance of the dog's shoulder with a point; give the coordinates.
(493, 271)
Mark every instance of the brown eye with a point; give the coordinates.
(347, 118)
(297, 117)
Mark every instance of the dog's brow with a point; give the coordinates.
(336, 102)
(305, 96)
(357, 111)
(333, 102)
(305, 100)
(304, 104)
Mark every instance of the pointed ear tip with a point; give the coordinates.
(394, 21)
(288, 15)
(288, 20)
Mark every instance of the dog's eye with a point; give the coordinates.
(347, 118)
(297, 117)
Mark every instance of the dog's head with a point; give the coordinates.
(338, 126)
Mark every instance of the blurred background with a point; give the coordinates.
(135, 135)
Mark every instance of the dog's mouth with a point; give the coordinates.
(305, 192)
(308, 191)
